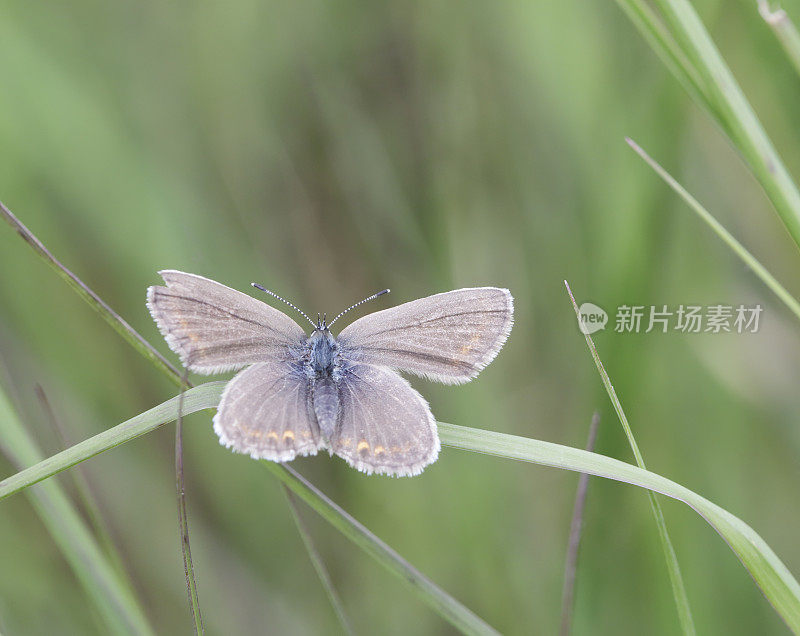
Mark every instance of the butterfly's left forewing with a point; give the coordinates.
(214, 328)
(385, 426)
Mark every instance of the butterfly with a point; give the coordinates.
(299, 393)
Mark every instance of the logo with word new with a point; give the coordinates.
(591, 318)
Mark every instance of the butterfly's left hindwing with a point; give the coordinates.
(265, 412)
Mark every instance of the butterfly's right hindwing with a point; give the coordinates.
(385, 426)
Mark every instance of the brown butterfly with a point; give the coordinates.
(302, 393)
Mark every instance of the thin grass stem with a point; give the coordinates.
(85, 492)
(462, 618)
(318, 563)
(758, 269)
(575, 531)
(675, 577)
(116, 321)
(183, 521)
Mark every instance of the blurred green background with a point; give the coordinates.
(327, 150)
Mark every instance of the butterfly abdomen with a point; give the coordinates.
(326, 405)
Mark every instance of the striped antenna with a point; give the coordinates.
(360, 302)
(257, 286)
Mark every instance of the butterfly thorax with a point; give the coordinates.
(323, 348)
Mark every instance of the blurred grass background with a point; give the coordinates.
(327, 150)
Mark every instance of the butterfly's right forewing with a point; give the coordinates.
(447, 337)
(214, 328)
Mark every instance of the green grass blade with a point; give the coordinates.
(205, 396)
(738, 249)
(318, 563)
(457, 614)
(86, 498)
(675, 577)
(112, 598)
(784, 29)
(661, 41)
(769, 573)
(737, 116)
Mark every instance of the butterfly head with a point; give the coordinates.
(322, 323)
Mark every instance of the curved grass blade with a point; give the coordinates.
(770, 574)
(205, 396)
(675, 577)
(318, 563)
(737, 248)
(111, 597)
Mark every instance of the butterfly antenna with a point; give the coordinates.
(295, 307)
(360, 302)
